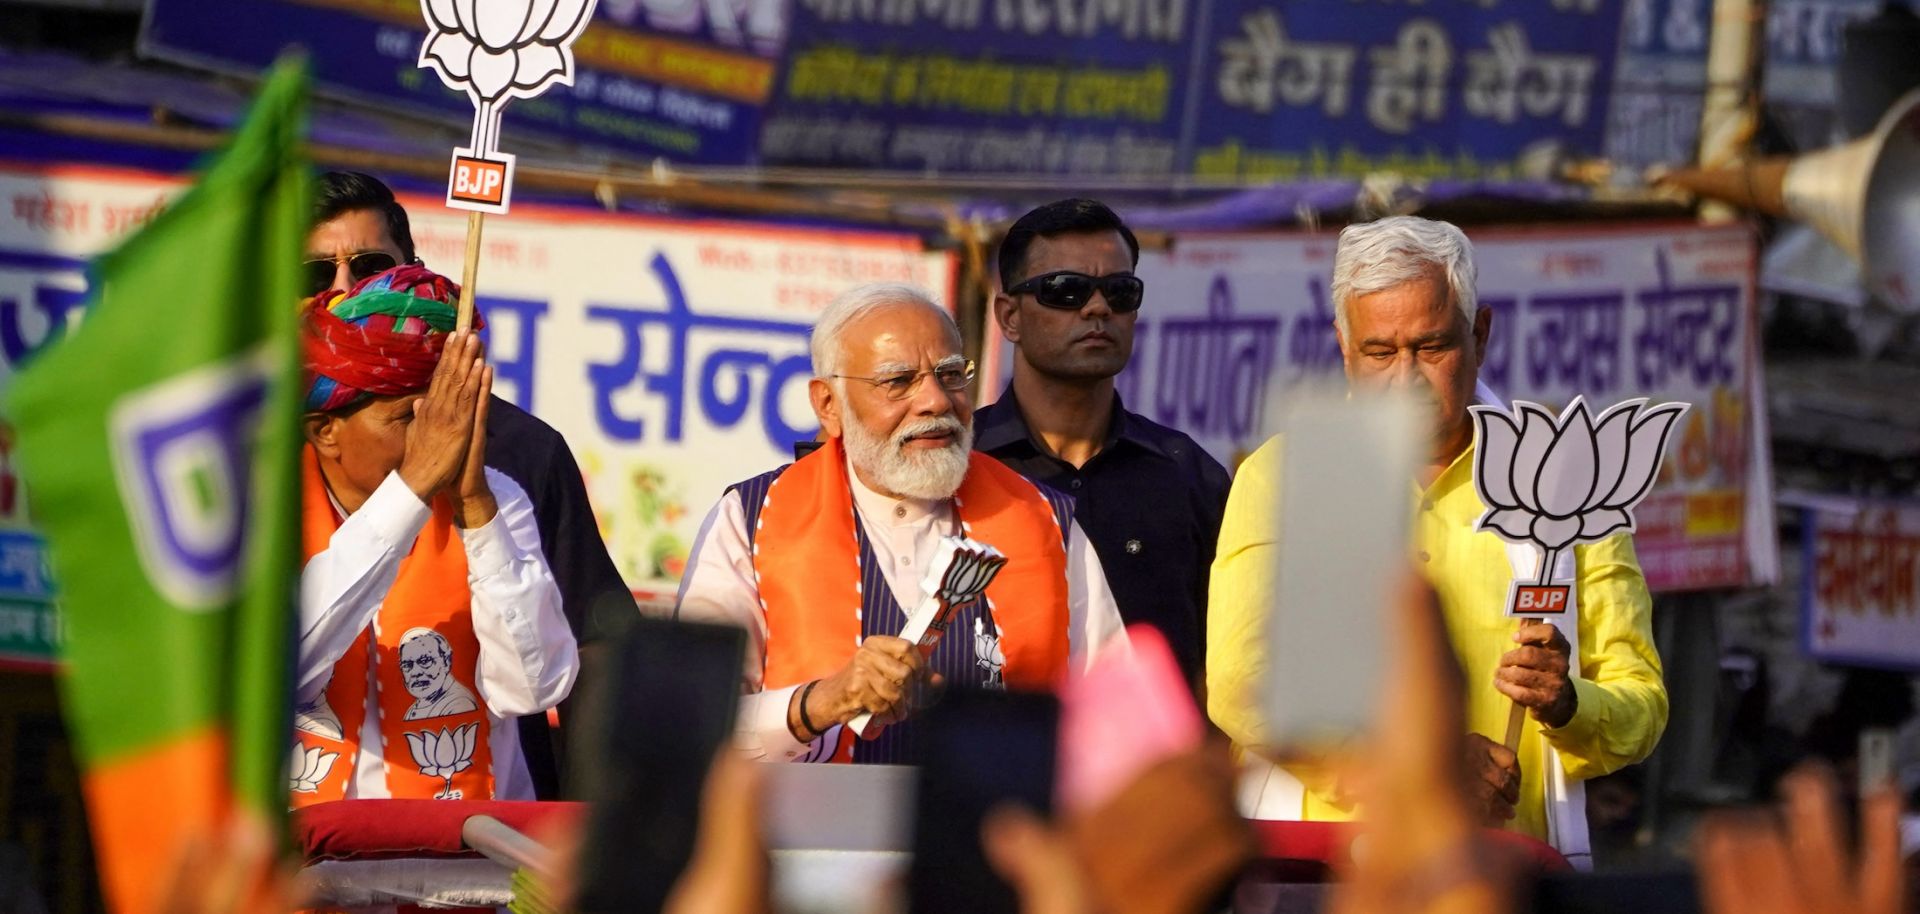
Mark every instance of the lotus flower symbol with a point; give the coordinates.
(973, 568)
(1557, 481)
(444, 754)
(498, 50)
(987, 653)
(311, 765)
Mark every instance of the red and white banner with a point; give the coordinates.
(1862, 581)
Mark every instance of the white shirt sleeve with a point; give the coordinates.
(720, 587)
(1093, 618)
(528, 658)
(342, 586)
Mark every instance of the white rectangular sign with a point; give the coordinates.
(1862, 580)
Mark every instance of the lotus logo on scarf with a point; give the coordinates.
(987, 654)
(444, 754)
(311, 765)
(1558, 481)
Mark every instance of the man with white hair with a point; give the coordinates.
(820, 559)
(1407, 319)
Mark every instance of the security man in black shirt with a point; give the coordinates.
(1148, 497)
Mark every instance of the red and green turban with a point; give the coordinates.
(381, 338)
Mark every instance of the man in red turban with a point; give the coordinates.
(408, 534)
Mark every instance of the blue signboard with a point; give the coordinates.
(1028, 86)
(1235, 89)
(1660, 83)
(1804, 44)
(683, 79)
(1315, 88)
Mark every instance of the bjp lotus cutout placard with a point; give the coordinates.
(497, 51)
(1554, 482)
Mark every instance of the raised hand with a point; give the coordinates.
(473, 501)
(440, 435)
(1802, 861)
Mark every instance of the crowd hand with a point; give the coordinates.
(1798, 862)
(1422, 852)
(1492, 779)
(881, 678)
(233, 868)
(728, 872)
(440, 435)
(473, 502)
(1166, 844)
(1535, 674)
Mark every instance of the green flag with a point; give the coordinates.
(159, 445)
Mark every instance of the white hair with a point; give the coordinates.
(1376, 256)
(419, 633)
(858, 302)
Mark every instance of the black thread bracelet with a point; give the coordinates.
(805, 721)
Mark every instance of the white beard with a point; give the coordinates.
(913, 472)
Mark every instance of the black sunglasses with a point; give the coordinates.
(360, 266)
(1070, 291)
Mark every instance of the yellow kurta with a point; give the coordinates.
(1622, 700)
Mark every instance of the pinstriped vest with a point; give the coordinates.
(954, 658)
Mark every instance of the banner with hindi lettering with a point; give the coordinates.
(672, 353)
(1073, 87)
(1321, 88)
(681, 79)
(1664, 311)
(1268, 90)
(1257, 90)
(1659, 85)
(1860, 581)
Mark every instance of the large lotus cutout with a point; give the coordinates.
(311, 765)
(444, 754)
(503, 48)
(1556, 481)
(497, 50)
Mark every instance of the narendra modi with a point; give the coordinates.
(819, 560)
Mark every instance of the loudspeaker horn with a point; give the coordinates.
(1864, 196)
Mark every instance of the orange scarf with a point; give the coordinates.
(435, 745)
(807, 560)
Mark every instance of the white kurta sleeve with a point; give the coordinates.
(719, 587)
(1093, 618)
(528, 658)
(342, 586)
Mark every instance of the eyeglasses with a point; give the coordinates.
(360, 266)
(1070, 291)
(951, 374)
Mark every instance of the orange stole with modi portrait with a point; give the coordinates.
(424, 655)
(806, 556)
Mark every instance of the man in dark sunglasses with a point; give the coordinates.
(1149, 498)
(360, 230)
